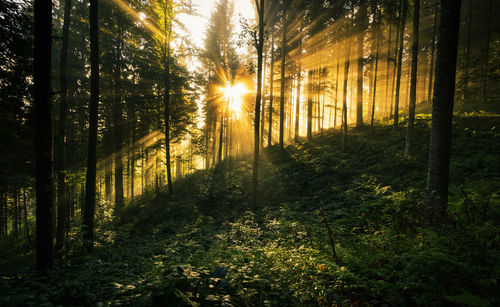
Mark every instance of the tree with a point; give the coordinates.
(90, 182)
(402, 22)
(62, 205)
(259, 45)
(442, 110)
(361, 20)
(282, 89)
(43, 134)
(413, 85)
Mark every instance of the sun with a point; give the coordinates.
(234, 96)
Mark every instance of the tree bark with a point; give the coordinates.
(309, 105)
(282, 89)
(43, 134)
(90, 182)
(442, 110)
(362, 12)
(400, 61)
(259, 46)
(271, 87)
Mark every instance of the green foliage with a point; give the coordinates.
(202, 245)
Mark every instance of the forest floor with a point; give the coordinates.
(206, 245)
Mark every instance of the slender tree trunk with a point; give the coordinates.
(388, 69)
(336, 95)
(259, 46)
(486, 56)
(467, 53)
(442, 110)
(43, 134)
(376, 71)
(309, 105)
(433, 53)
(299, 79)
(62, 211)
(271, 87)
(263, 106)
(344, 94)
(118, 127)
(166, 102)
(400, 62)
(25, 207)
(90, 183)
(221, 136)
(282, 89)
(413, 81)
(361, 36)
(3, 213)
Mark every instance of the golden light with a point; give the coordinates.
(234, 96)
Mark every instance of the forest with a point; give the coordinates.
(249, 153)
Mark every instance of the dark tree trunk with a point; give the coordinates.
(299, 79)
(413, 81)
(400, 61)
(118, 127)
(486, 56)
(62, 202)
(271, 87)
(433, 52)
(166, 102)
(43, 134)
(361, 36)
(467, 53)
(344, 94)
(259, 46)
(282, 89)
(309, 105)
(90, 183)
(442, 110)
(375, 72)
(25, 209)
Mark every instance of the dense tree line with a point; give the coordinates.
(98, 104)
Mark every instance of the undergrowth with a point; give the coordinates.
(205, 245)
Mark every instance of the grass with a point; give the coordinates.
(204, 246)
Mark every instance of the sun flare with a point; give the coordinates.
(234, 96)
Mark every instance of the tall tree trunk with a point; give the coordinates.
(433, 52)
(90, 182)
(442, 110)
(486, 56)
(467, 53)
(400, 61)
(299, 79)
(271, 87)
(43, 134)
(388, 68)
(221, 136)
(309, 105)
(25, 209)
(166, 102)
(259, 46)
(362, 15)
(282, 89)
(376, 71)
(118, 127)
(3, 213)
(62, 206)
(413, 81)
(263, 106)
(336, 95)
(344, 94)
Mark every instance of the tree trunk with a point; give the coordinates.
(166, 102)
(486, 56)
(442, 110)
(400, 61)
(271, 87)
(26, 227)
(299, 79)
(413, 81)
(375, 72)
(309, 105)
(362, 12)
(467, 53)
(282, 89)
(118, 127)
(43, 134)
(259, 46)
(62, 206)
(433, 53)
(90, 183)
